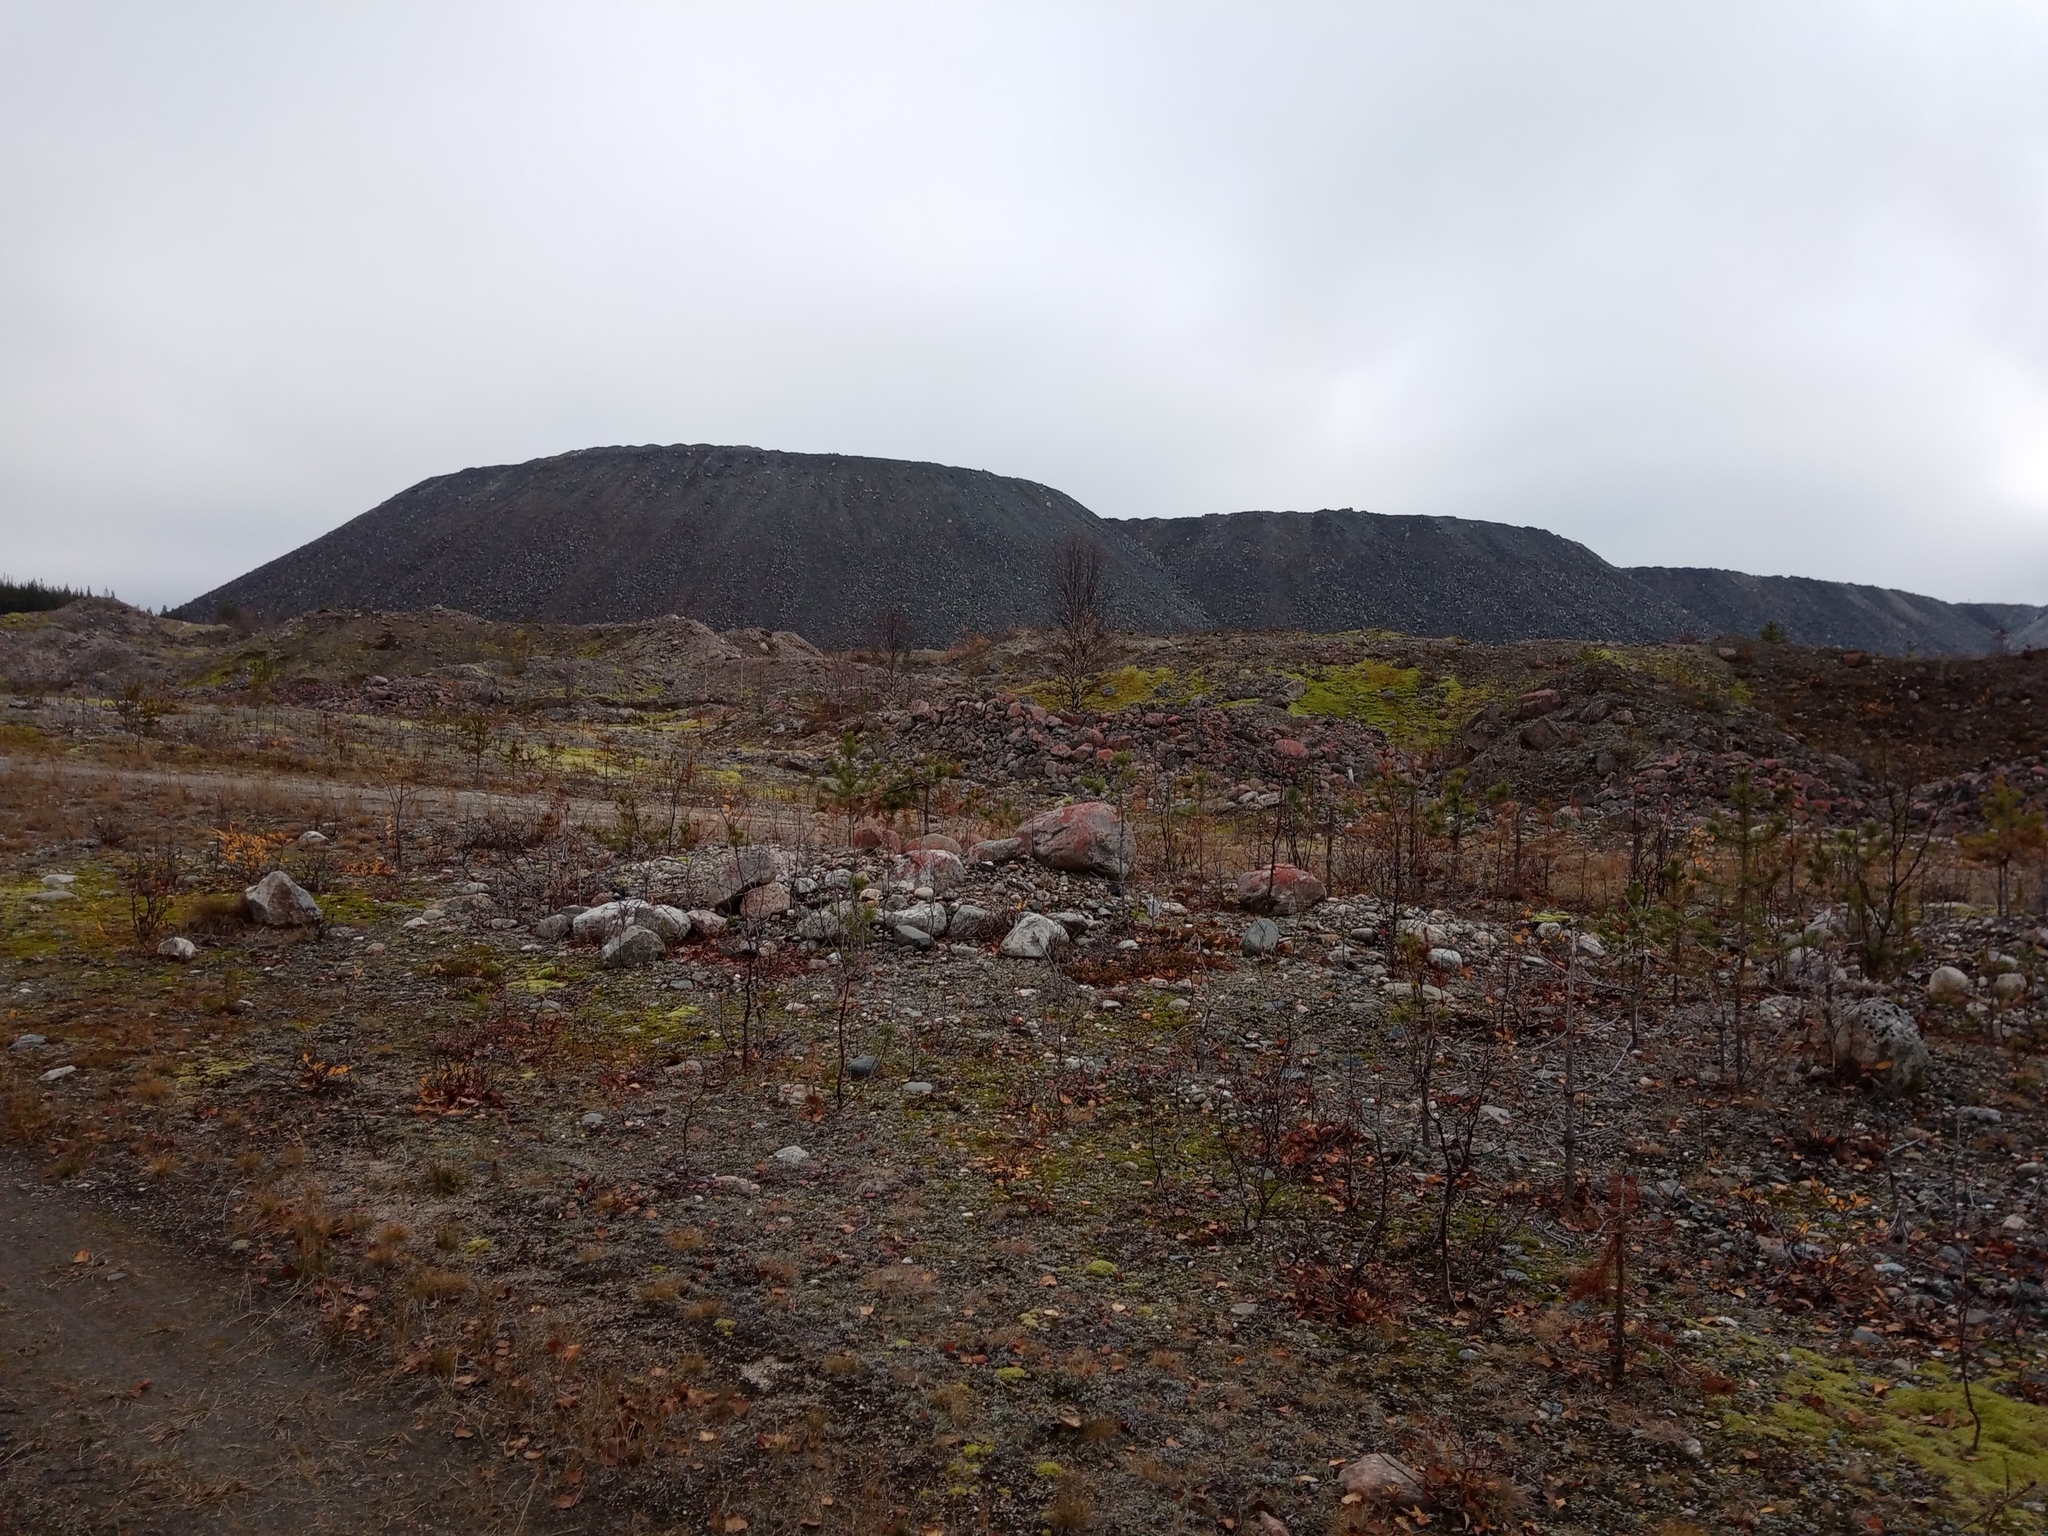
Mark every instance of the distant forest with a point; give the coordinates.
(33, 596)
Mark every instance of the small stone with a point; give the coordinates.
(1261, 937)
(705, 923)
(29, 1042)
(917, 1090)
(733, 1184)
(591, 1120)
(177, 947)
(553, 929)
(1446, 960)
(1869, 1338)
(862, 1067)
(1589, 944)
(58, 1074)
(2009, 986)
(311, 838)
(792, 1156)
(1244, 1309)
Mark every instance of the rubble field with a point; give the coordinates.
(641, 1079)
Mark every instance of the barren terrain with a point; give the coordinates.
(1563, 1151)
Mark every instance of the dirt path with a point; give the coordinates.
(139, 1395)
(439, 799)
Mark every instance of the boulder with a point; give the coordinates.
(1446, 960)
(279, 901)
(1379, 1476)
(938, 840)
(705, 923)
(1261, 936)
(996, 850)
(177, 948)
(769, 900)
(1033, 937)
(635, 946)
(554, 927)
(672, 924)
(870, 836)
(1540, 735)
(1882, 1040)
(1088, 838)
(2009, 986)
(903, 933)
(928, 916)
(594, 925)
(827, 925)
(970, 923)
(932, 867)
(1948, 984)
(1280, 889)
(718, 879)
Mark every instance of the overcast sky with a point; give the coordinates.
(1758, 286)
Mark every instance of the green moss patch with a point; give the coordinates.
(1388, 698)
(1927, 1423)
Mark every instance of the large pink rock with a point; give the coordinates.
(1281, 889)
(937, 840)
(765, 901)
(868, 835)
(934, 867)
(1084, 839)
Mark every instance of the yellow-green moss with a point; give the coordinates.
(1389, 698)
(1927, 1423)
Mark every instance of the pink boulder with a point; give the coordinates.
(1085, 839)
(765, 901)
(868, 835)
(937, 840)
(934, 867)
(1280, 889)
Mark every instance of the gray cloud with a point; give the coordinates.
(1758, 286)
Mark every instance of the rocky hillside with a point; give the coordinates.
(1339, 570)
(1881, 619)
(824, 544)
(821, 544)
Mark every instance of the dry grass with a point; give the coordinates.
(434, 1285)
